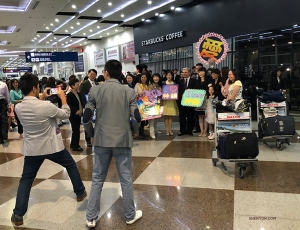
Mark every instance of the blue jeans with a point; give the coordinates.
(30, 169)
(103, 158)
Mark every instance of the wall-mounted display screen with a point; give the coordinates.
(79, 65)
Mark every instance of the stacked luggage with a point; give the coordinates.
(273, 121)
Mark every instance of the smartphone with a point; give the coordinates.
(53, 90)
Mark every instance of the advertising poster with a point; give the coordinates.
(99, 57)
(128, 52)
(193, 97)
(112, 53)
(170, 92)
(149, 105)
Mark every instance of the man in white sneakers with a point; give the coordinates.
(112, 137)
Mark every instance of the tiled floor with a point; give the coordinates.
(175, 184)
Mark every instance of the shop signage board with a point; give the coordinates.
(193, 97)
(170, 92)
(212, 47)
(99, 57)
(163, 38)
(128, 52)
(17, 69)
(113, 53)
(51, 56)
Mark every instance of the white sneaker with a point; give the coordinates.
(138, 215)
(92, 223)
(212, 137)
(209, 135)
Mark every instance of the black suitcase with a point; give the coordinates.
(278, 125)
(221, 146)
(241, 146)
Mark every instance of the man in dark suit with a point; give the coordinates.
(84, 90)
(75, 103)
(138, 72)
(186, 114)
(176, 76)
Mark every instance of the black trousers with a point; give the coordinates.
(75, 125)
(186, 119)
(20, 127)
(3, 120)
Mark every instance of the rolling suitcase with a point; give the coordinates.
(241, 146)
(278, 125)
(221, 146)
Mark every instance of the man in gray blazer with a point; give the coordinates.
(116, 123)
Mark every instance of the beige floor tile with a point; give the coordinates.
(148, 148)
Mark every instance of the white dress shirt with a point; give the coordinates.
(42, 135)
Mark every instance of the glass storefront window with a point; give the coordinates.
(246, 63)
(274, 37)
(185, 52)
(144, 58)
(169, 54)
(156, 57)
(245, 41)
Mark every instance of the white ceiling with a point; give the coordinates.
(57, 20)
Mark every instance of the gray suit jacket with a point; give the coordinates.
(115, 105)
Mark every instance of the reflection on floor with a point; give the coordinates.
(175, 184)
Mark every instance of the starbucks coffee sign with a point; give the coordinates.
(163, 38)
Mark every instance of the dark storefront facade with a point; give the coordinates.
(262, 36)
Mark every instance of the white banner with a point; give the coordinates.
(113, 53)
(99, 57)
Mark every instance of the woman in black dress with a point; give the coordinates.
(201, 83)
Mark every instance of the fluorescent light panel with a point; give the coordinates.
(149, 10)
(64, 23)
(119, 8)
(75, 42)
(88, 6)
(9, 30)
(91, 23)
(44, 38)
(103, 30)
(11, 8)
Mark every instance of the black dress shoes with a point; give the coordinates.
(181, 134)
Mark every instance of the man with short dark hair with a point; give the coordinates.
(112, 137)
(42, 140)
(176, 76)
(138, 72)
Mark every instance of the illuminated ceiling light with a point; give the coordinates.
(99, 32)
(56, 20)
(91, 30)
(289, 42)
(148, 10)
(72, 27)
(161, 15)
(51, 24)
(74, 6)
(149, 2)
(80, 44)
(172, 8)
(119, 8)
(116, 30)
(84, 33)
(143, 19)
(84, 27)
(70, 40)
(107, 33)
(47, 42)
(32, 40)
(88, 6)
(38, 35)
(122, 15)
(66, 31)
(50, 40)
(35, 38)
(78, 23)
(110, 4)
(64, 23)
(156, 14)
(47, 28)
(84, 42)
(17, 8)
(99, 11)
(100, 36)
(98, 27)
(54, 37)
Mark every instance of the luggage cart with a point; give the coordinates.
(282, 111)
(232, 123)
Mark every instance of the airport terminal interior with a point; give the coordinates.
(175, 182)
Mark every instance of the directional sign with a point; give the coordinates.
(51, 56)
(17, 69)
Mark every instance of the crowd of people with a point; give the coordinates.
(40, 107)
